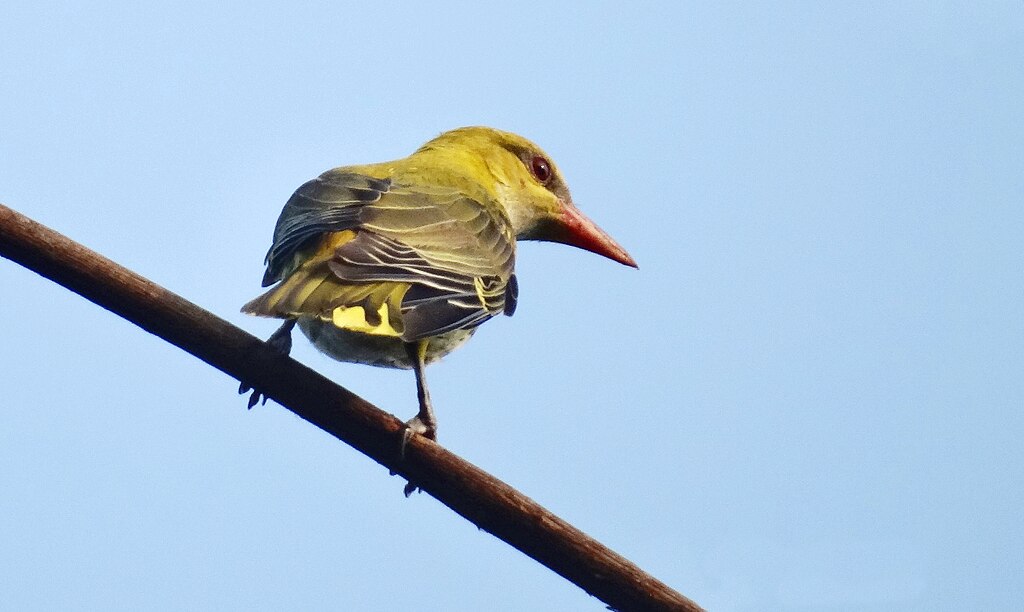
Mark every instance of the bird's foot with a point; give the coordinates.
(254, 398)
(280, 342)
(415, 425)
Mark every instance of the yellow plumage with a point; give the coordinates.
(398, 263)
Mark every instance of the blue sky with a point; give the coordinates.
(809, 397)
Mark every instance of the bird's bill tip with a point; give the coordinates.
(581, 232)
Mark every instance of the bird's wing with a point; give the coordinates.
(414, 261)
(329, 203)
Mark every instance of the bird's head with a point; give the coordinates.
(523, 179)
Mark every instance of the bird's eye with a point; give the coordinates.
(541, 168)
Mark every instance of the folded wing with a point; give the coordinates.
(385, 258)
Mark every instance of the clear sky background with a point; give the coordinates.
(809, 397)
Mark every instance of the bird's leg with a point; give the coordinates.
(424, 422)
(281, 342)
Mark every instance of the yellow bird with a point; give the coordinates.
(396, 264)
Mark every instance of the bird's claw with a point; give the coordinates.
(280, 342)
(254, 398)
(415, 425)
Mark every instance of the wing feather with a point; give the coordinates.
(431, 259)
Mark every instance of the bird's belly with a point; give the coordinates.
(372, 349)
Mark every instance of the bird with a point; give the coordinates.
(396, 264)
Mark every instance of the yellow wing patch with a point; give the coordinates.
(353, 318)
(313, 290)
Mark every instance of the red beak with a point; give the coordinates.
(579, 231)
